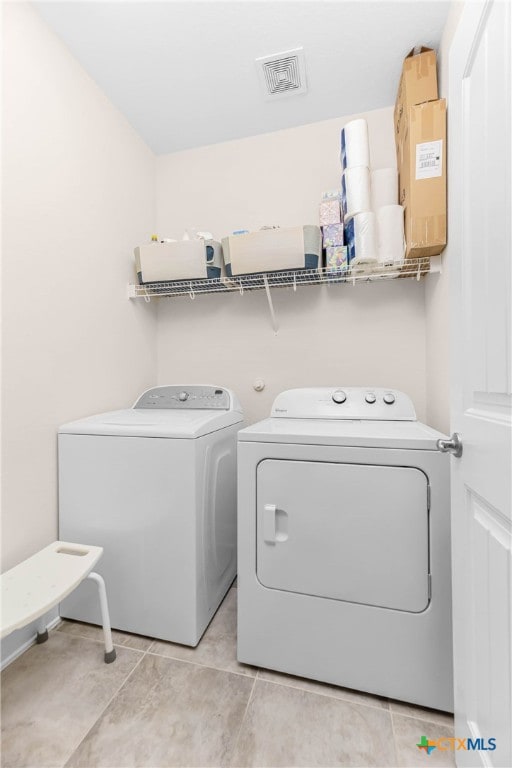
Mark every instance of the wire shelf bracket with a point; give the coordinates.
(273, 317)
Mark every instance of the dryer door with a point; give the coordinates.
(350, 532)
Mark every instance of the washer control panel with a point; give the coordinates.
(354, 403)
(186, 398)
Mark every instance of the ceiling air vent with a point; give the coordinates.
(282, 74)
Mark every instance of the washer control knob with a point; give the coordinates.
(389, 398)
(183, 396)
(370, 398)
(339, 396)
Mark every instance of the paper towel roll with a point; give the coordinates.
(361, 239)
(390, 234)
(355, 191)
(384, 184)
(355, 148)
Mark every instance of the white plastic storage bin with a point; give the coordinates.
(273, 250)
(183, 260)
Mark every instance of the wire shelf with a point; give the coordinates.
(412, 268)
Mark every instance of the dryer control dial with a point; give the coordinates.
(339, 402)
(183, 396)
(389, 398)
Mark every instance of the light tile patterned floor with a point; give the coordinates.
(162, 705)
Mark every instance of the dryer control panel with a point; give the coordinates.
(188, 398)
(353, 403)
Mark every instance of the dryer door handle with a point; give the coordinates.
(269, 523)
(275, 524)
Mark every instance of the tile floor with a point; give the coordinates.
(163, 705)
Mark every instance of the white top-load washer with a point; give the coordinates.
(344, 544)
(155, 486)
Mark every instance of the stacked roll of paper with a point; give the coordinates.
(355, 191)
(384, 185)
(355, 147)
(390, 235)
(361, 238)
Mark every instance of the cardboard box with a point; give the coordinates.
(418, 83)
(422, 179)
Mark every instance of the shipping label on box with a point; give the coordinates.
(422, 179)
(418, 84)
(429, 159)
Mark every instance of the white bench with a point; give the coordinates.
(36, 585)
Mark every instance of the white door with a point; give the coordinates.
(354, 532)
(480, 285)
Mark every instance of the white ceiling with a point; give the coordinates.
(183, 72)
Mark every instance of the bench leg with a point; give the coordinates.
(42, 632)
(110, 651)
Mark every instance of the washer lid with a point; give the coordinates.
(364, 434)
(159, 423)
(184, 411)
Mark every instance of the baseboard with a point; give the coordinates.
(21, 640)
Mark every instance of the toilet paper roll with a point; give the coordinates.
(355, 191)
(390, 234)
(361, 239)
(355, 148)
(384, 185)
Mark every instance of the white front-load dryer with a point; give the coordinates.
(155, 486)
(344, 545)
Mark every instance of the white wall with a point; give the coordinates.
(437, 297)
(338, 335)
(78, 192)
(272, 178)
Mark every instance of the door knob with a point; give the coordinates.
(453, 445)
